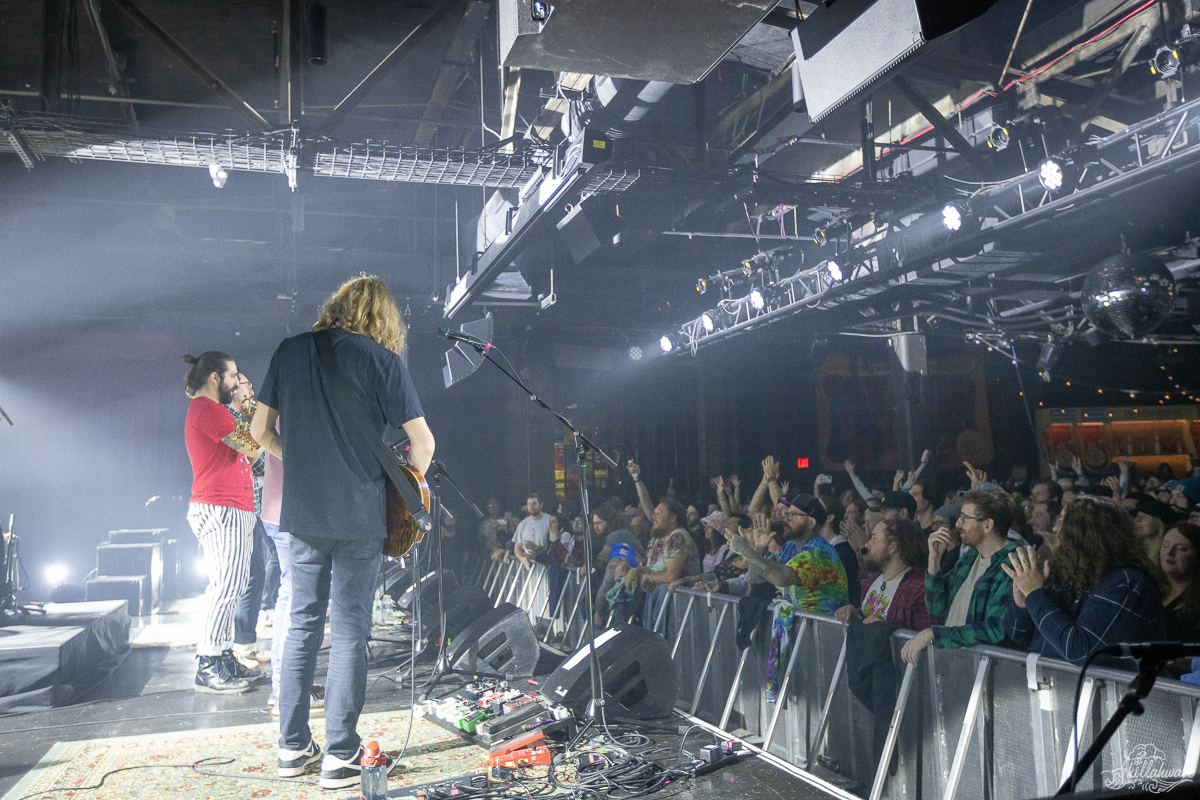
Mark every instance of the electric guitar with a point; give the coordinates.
(402, 530)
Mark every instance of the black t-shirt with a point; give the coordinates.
(333, 486)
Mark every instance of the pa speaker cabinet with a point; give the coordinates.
(134, 559)
(136, 535)
(118, 587)
(635, 666)
(501, 641)
(846, 47)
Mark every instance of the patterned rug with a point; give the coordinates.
(433, 754)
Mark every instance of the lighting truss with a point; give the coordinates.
(36, 136)
(903, 253)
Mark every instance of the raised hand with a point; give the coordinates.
(735, 481)
(783, 487)
(1114, 483)
(635, 471)
(770, 468)
(1077, 465)
(897, 480)
(977, 476)
(849, 465)
(720, 486)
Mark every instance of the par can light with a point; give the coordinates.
(665, 343)
(757, 301)
(1052, 175)
(706, 320)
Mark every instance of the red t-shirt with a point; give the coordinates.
(220, 475)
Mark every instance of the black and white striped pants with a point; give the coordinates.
(227, 536)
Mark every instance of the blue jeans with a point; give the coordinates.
(654, 602)
(343, 571)
(245, 620)
(283, 602)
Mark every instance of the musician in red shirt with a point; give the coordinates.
(221, 514)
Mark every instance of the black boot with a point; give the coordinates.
(238, 669)
(214, 677)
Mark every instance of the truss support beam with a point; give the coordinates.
(389, 62)
(287, 56)
(207, 76)
(943, 126)
(116, 83)
(52, 77)
(454, 67)
(1131, 48)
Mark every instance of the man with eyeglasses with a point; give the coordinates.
(973, 594)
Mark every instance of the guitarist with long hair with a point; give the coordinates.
(335, 506)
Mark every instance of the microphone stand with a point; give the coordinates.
(442, 667)
(1131, 703)
(595, 707)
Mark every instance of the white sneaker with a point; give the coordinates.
(292, 763)
(337, 774)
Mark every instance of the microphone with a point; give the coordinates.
(1154, 651)
(455, 336)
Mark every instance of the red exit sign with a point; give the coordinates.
(801, 463)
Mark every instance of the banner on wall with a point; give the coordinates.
(855, 421)
(566, 470)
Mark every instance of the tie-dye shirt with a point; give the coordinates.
(822, 589)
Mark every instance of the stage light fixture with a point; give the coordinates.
(1047, 359)
(999, 138)
(665, 343)
(1165, 62)
(952, 217)
(218, 175)
(819, 237)
(702, 286)
(56, 574)
(1052, 175)
(758, 300)
(539, 10)
(834, 269)
(708, 321)
(635, 353)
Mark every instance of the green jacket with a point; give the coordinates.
(989, 601)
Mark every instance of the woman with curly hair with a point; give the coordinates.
(1095, 591)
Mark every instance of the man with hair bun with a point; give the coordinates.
(220, 513)
(334, 506)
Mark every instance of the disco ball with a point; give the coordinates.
(1128, 296)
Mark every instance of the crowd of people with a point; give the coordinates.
(1062, 566)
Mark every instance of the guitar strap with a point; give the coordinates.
(349, 402)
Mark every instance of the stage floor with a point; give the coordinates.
(151, 693)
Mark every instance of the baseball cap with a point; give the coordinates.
(622, 550)
(811, 506)
(900, 500)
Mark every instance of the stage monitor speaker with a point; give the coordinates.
(640, 679)
(394, 579)
(501, 641)
(428, 588)
(463, 606)
(845, 47)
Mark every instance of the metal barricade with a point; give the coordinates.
(984, 722)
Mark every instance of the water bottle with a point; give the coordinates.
(374, 773)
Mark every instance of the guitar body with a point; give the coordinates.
(403, 533)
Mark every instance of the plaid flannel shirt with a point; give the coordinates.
(989, 601)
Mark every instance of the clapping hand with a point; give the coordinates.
(1027, 578)
(762, 531)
